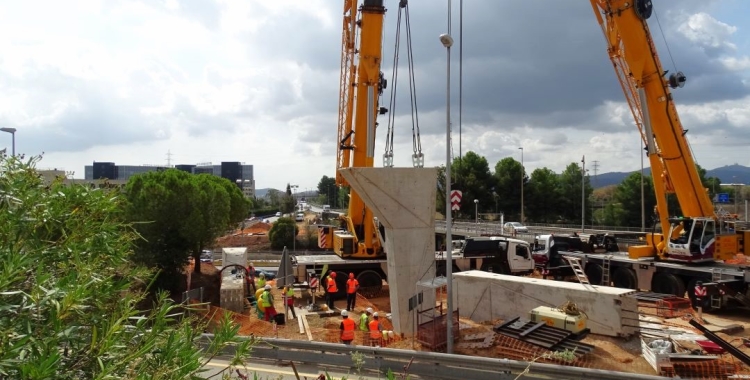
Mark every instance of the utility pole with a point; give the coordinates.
(169, 159)
(583, 193)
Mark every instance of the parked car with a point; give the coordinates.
(278, 214)
(268, 275)
(299, 217)
(515, 227)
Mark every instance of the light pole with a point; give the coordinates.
(12, 132)
(522, 181)
(447, 41)
(294, 193)
(583, 194)
(643, 198)
(476, 211)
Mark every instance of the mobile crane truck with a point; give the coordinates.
(694, 249)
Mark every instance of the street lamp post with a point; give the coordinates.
(476, 211)
(447, 41)
(12, 132)
(583, 194)
(522, 181)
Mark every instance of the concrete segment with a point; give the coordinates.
(403, 200)
(484, 296)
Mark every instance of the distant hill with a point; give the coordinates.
(261, 193)
(727, 174)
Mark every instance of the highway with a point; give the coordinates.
(269, 369)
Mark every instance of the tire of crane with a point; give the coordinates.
(594, 272)
(625, 278)
(370, 282)
(668, 283)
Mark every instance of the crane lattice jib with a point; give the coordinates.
(346, 90)
(642, 77)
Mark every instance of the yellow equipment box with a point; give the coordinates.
(556, 318)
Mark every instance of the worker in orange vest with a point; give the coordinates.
(347, 328)
(352, 286)
(701, 295)
(331, 289)
(376, 331)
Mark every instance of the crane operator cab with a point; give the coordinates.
(691, 239)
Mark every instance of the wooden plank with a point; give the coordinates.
(300, 324)
(303, 318)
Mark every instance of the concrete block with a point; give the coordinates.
(403, 200)
(484, 296)
(234, 255)
(231, 294)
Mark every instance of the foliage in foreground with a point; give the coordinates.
(70, 295)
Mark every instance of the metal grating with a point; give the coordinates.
(540, 334)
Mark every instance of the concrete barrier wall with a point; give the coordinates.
(483, 296)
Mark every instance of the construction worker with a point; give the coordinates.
(251, 278)
(701, 294)
(266, 299)
(288, 293)
(352, 286)
(331, 289)
(262, 280)
(347, 328)
(376, 331)
(364, 319)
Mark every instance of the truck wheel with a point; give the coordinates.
(594, 273)
(370, 283)
(498, 268)
(625, 278)
(667, 283)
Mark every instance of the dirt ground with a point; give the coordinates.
(255, 236)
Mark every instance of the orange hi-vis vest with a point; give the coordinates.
(348, 333)
(374, 332)
(351, 285)
(331, 285)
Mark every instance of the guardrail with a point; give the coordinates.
(428, 365)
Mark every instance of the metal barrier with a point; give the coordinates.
(428, 365)
(193, 294)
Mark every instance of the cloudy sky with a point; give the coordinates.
(257, 81)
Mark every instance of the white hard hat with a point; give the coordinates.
(369, 310)
(267, 287)
(375, 314)
(344, 313)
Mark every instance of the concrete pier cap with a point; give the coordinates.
(403, 200)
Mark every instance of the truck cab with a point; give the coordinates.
(497, 254)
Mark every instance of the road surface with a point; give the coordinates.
(267, 369)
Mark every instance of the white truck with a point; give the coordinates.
(726, 284)
(493, 254)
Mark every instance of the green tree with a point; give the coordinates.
(570, 193)
(162, 207)
(542, 196)
(69, 308)
(283, 233)
(628, 196)
(508, 176)
(178, 214)
(327, 189)
(471, 174)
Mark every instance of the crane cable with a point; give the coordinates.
(417, 157)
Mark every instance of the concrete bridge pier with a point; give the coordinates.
(403, 200)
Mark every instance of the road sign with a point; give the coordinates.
(723, 197)
(456, 199)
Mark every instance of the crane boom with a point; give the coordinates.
(361, 84)
(646, 86)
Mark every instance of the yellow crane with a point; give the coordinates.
(696, 235)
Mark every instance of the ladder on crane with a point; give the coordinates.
(575, 264)
(716, 276)
(606, 269)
